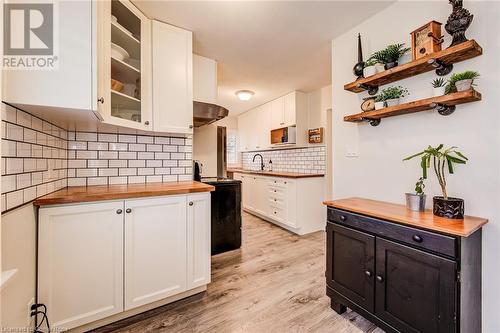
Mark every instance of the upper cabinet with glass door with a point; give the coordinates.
(124, 65)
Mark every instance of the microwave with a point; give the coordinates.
(284, 136)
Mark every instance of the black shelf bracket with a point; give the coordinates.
(441, 68)
(372, 90)
(442, 109)
(373, 122)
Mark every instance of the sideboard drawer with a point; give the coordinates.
(419, 238)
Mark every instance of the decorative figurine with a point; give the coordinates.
(459, 20)
(358, 68)
(426, 40)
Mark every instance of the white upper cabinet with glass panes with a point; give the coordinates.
(107, 53)
(124, 65)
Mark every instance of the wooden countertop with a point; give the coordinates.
(278, 173)
(112, 192)
(399, 213)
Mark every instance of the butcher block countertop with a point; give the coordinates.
(400, 214)
(278, 173)
(112, 192)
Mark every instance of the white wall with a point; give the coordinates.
(18, 252)
(320, 101)
(205, 144)
(379, 173)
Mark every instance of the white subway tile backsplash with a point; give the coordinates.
(39, 158)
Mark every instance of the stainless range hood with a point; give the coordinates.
(206, 113)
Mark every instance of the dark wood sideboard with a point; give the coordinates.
(405, 271)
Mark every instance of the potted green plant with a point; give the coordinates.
(390, 55)
(393, 94)
(441, 160)
(369, 69)
(416, 201)
(439, 86)
(461, 81)
(379, 101)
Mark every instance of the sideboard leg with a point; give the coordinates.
(338, 307)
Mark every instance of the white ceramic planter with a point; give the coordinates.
(379, 68)
(379, 105)
(463, 85)
(392, 101)
(439, 91)
(369, 71)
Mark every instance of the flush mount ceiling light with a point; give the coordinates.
(244, 95)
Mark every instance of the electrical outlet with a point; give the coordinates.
(30, 319)
(351, 150)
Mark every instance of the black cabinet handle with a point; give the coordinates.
(368, 273)
(191, 203)
(101, 100)
(417, 238)
(119, 211)
(128, 210)
(380, 278)
(343, 218)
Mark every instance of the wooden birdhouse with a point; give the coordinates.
(426, 40)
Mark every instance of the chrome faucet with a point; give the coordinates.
(261, 161)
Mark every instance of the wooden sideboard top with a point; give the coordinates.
(400, 214)
(113, 192)
(277, 173)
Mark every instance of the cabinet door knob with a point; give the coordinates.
(146, 122)
(380, 278)
(101, 100)
(368, 273)
(343, 218)
(119, 211)
(128, 210)
(191, 203)
(190, 126)
(417, 238)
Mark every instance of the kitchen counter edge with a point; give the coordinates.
(79, 194)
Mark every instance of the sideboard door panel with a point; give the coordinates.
(415, 291)
(350, 264)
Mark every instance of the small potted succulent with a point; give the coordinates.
(439, 86)
(370, 69)
(393, 94)
(379, 101)
(390, 55)
(442, 159)
(461, 81)
(416, 201)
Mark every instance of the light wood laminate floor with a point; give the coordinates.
(274, 283)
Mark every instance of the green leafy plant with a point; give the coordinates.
(467, 75)
(380, 98)
(419, 186)
(438, 82)
(371, 62)
(394, 92)
(441, 159)
(391, 53)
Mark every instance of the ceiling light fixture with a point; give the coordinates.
(244, 95)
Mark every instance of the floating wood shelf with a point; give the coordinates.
(444, 104)
(439, 60)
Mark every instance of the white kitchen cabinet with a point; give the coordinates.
(70, 86)
(80, 262)
(255, 125)
(294, 204)
(204, 79)
(131, 105)
(100, 259)
(155, 249)
(198, 242)
(172, 51)
(277, 113)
